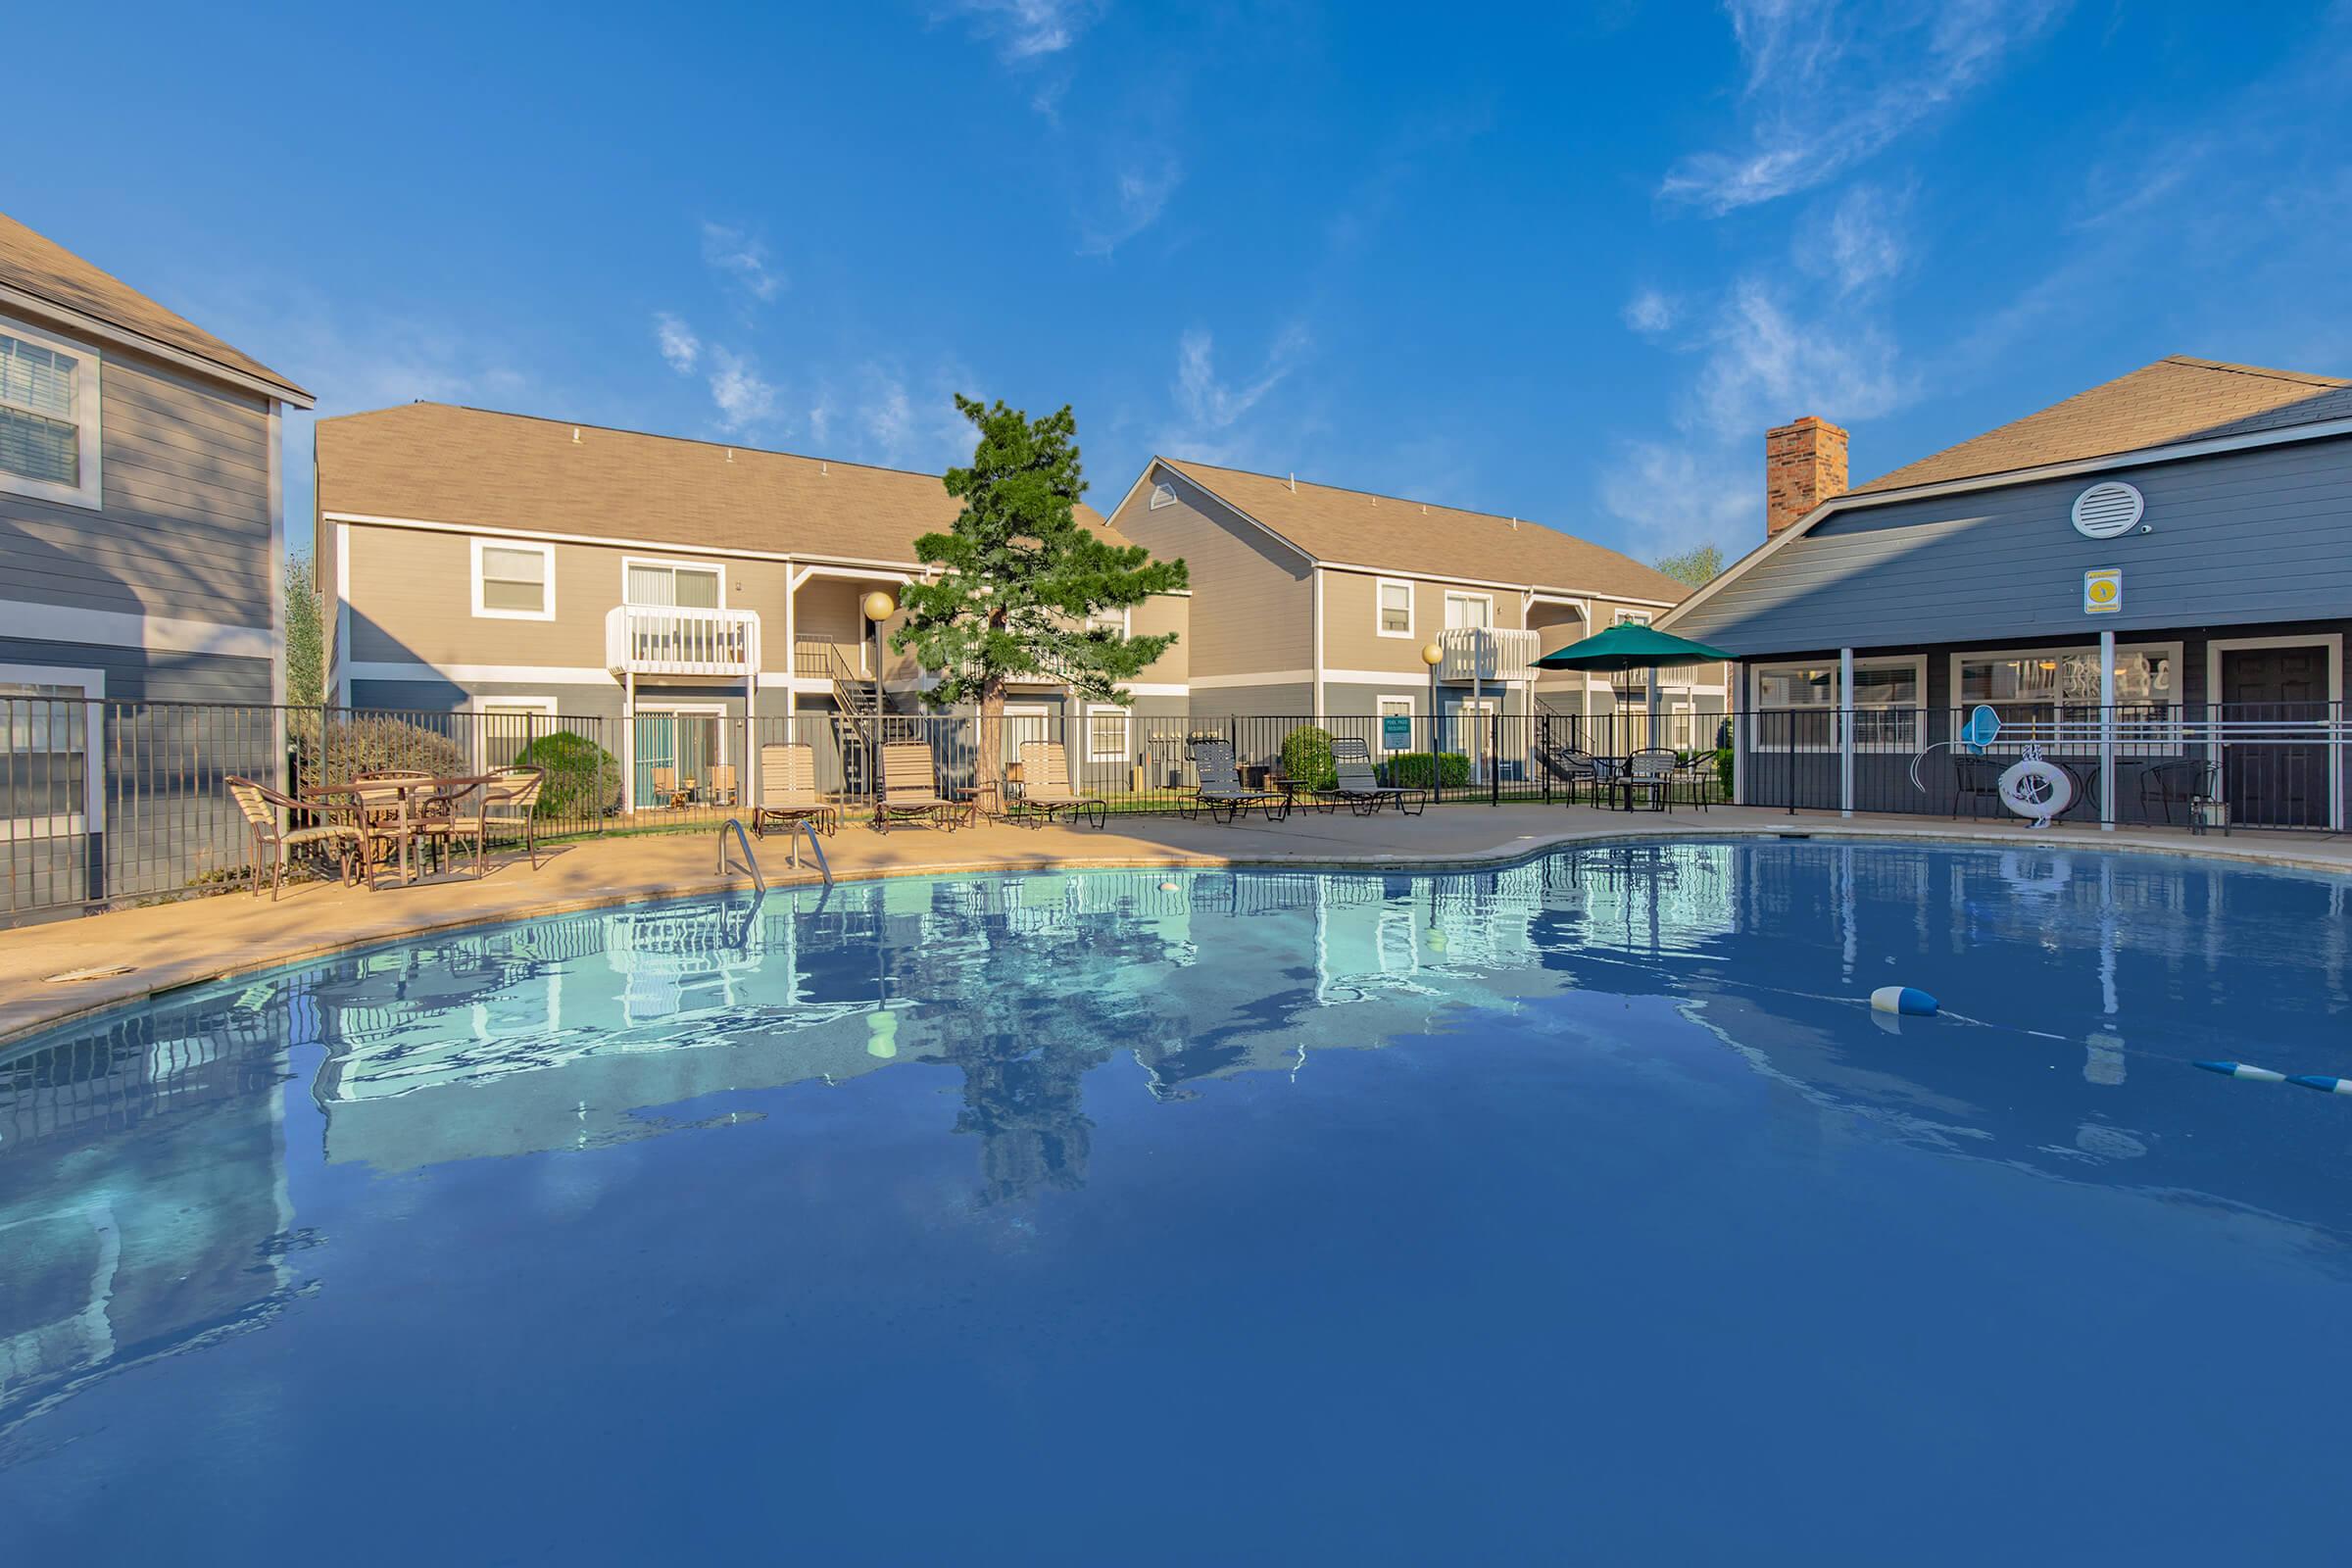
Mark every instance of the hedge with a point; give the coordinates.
(583, 779)
(1306, 757)
(1409, 770)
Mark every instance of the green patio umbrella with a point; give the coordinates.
(1631, 647)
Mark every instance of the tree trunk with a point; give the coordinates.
(988, 769)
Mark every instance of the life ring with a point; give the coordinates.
(2035, 788)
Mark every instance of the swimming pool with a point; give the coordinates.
(1579, 1209)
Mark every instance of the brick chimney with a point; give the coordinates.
(1804, 465)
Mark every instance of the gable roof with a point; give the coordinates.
(441, 462)
(1356, 528)
(2176, 399)
(48, 271)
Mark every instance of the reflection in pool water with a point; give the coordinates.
(1581, 1207)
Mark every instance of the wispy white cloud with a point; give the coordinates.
(680, 348)
(1241, 421)
(1828, 85)
(1863, 243)
(743, 397)
(1027, 30)
(1140, 194)
(1648, 312)
(738, 256)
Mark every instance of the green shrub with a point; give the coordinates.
(583, 779)
(1723, 769)
(1409, 770)
(1306, 757)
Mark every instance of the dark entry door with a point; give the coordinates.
(2275, 785)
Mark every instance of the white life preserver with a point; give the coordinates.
(2038, 789)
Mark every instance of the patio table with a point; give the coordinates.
(402, 790)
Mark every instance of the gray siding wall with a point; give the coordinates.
(2235, 539)
(1251, 607)
(141, 675)
(184, 529)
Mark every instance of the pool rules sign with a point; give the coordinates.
(2103, 591)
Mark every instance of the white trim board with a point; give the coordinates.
(80, 322)
(116, 628)
(903, 569)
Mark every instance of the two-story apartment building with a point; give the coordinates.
(2171, 550)
(141, 522)
(1309, 598)
(671, 589)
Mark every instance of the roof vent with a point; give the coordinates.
(1162, 495)
(1293, 484)
(2106, 510)
(575, 435)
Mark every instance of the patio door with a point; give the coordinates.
(2275, 785)
(682, 756)
(1025, 722)
(1470, 730)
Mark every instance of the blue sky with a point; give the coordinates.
(1563, 261)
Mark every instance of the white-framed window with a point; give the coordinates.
(1463, 610)
(1890, 704)
(2056, 691)
(55, 784)
(1633, 617)
(1162, 495)
(514, 580)
(506, 726)
(672, 584)
(1118, 621)
(1107, 730)
(1389, 708)
(49, 418)
(1393, 600)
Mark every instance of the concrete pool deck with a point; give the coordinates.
(183, 943)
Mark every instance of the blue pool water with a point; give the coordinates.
(1576, 1211)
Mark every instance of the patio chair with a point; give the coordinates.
(911, 788)
(1697, 775)
(722, 784)
(788, 791)
(1046, 787)
(668, 787)
(508, 808)
(1976, 778)
(261, 805)
(1221, 791)
(1358, 788)
(448, 815)
(386, 797)
(1575, 768)
(2169, 784)
(1650, 771)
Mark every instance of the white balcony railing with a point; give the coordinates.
(648, 640)
(1477, 652)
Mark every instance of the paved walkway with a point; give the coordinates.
(202, 939)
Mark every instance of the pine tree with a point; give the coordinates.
(1019, 579)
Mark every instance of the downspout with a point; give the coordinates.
(1315, 630)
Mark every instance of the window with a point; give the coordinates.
(1108, 620)
(1633, 617)
(1469, 610)
(671, 584)
(1796, 705)
(1106, 733)
(2057, 689)
(1395, 606)
(1389, 742)
(510, 724)
(47, 781)
(49, 410)
(513, 580)
(1162, 496)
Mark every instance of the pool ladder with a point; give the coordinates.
(751, 861)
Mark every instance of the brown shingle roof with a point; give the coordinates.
(438, 463)
(1385, 532)
(2176, 399)
(46, 269)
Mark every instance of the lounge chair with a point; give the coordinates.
(1358, 788)
(1046, 787)
(1221, 792)
(272, 842)
(911, 788)
(788, 791)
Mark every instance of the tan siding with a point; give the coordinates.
(1351, 638)
(1165, 613)
(1249, 606)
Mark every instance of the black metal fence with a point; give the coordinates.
(2277, 766)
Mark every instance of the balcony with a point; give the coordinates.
(1477, 653)
(662, 640)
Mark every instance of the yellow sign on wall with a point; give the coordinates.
(2103, 591)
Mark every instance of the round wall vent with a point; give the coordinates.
(2106, 510)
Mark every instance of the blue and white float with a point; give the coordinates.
(2322, 1083)
(2245, 1070)
(1903, 1000)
